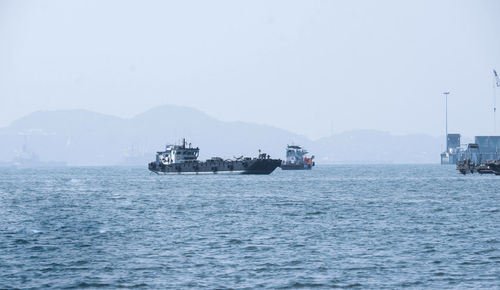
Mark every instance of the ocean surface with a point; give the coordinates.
(349, 226)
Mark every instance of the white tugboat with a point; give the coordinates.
(296, 159)
(182, 159)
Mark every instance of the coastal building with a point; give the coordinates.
(452, 149)
(489, 147)
(483, 149)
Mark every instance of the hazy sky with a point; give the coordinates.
(297, 65)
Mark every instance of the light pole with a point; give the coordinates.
(446, 132)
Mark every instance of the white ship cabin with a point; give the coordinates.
(177, 154)
(295, 154)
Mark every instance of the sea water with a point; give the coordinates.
(364, 226)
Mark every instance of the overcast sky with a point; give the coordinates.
(297, 65)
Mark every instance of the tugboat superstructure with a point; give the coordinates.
(182, 159)
(296, 159)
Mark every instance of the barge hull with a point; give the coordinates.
(253, 166)
(296, 167)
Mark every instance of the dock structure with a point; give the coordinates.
(449, 156)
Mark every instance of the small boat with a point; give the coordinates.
(494, 166)
(296, 159)
(484, 169)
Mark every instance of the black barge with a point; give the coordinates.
(182, 159)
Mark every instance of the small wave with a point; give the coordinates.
(251, 248)
(303, 285)
(493, 210)
(486, 251)
(355, 285)
(36, 248)
(293, 263)
(90, 285)
(80, 262)
(21, 242)
(474, 262)
(235, 242)
(410, 284)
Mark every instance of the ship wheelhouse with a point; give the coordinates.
(177, 154)
(295, 154)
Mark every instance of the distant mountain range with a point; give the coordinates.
(80, 137)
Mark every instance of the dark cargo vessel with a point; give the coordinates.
(182, 159)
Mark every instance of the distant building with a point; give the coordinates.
(489, 146)
(453, 142)
(452, 149)
(485, 148)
